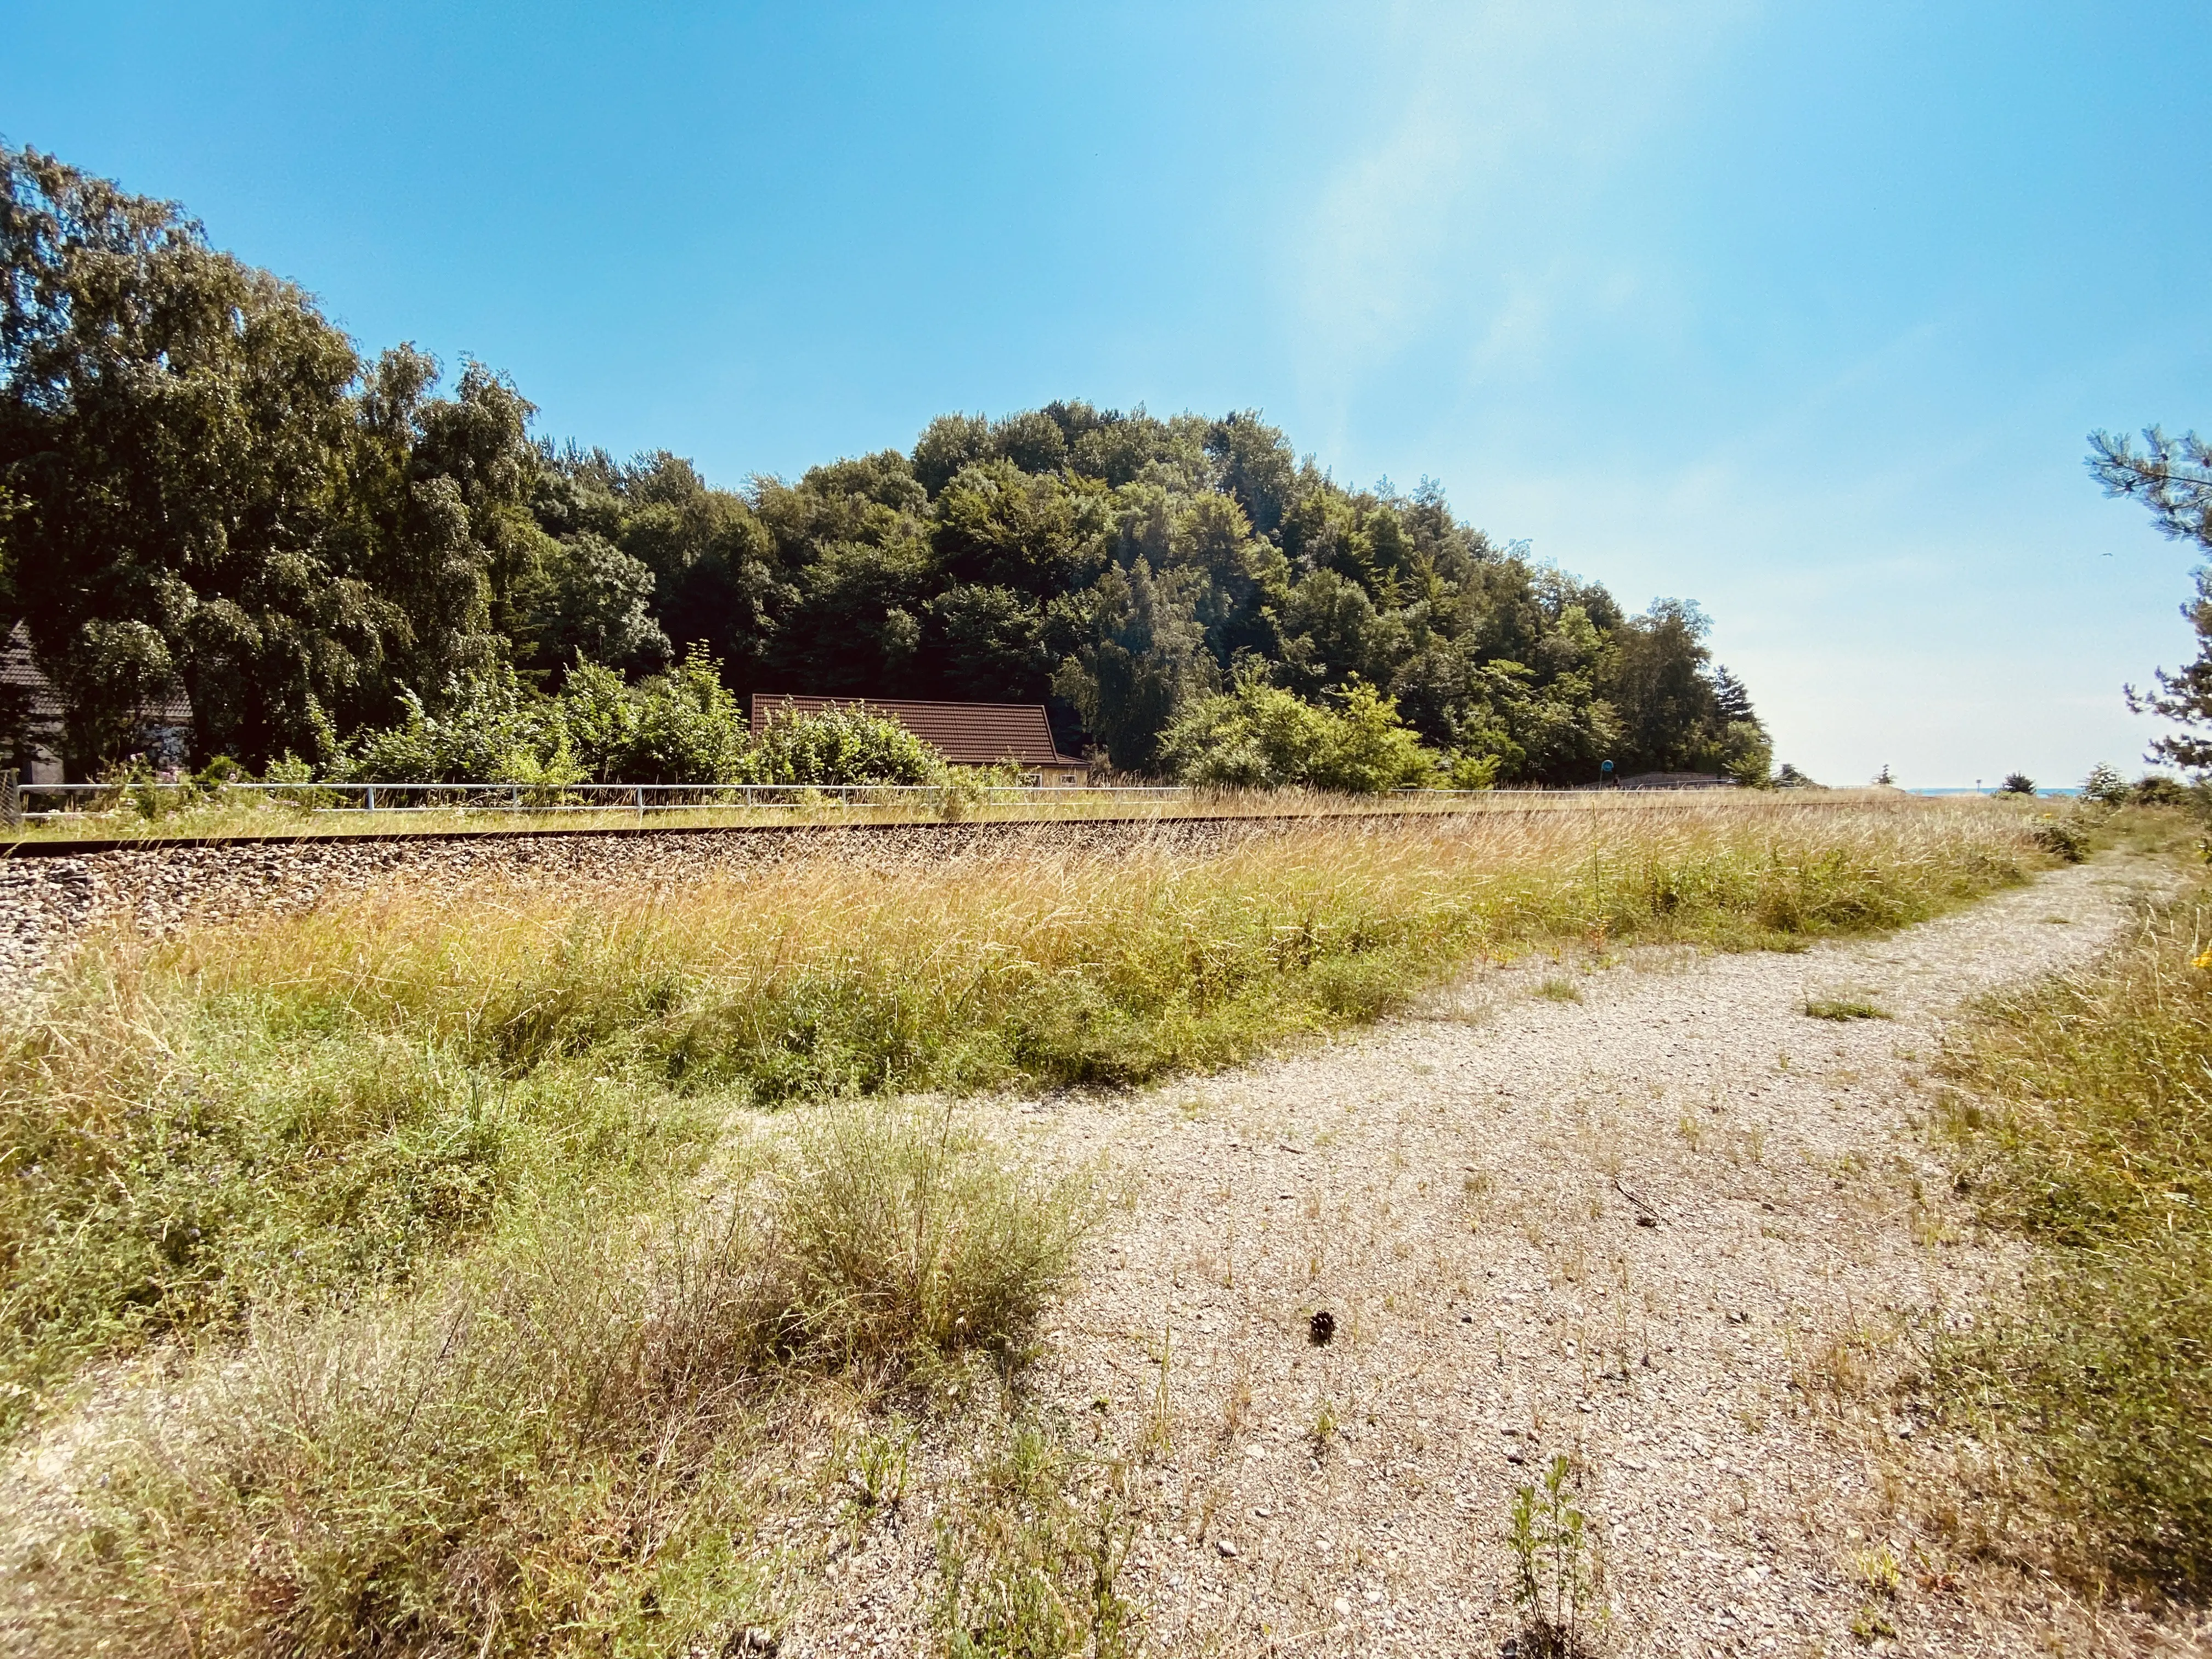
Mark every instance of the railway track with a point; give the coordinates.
(84, 847)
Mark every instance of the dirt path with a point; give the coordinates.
(1467, 1193)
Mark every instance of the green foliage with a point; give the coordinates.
(2086, 1127)
(840, 746)
(2017, 783)
(678, 727)
(253, 514)
(2172, 477)
(489, 728)
(1258, 737)
(2105, 786)
(1554, 1564)
(554, 1443)
(174, 1185)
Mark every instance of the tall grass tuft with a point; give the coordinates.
(2083, 1117)
(900, 1234)
(564, 1439)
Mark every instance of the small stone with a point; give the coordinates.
(1340, 1608)
(1255, 1451)
(1228, 1550)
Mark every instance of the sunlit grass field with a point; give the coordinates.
(475, 1200)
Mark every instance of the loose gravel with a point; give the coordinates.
(1632, 1227)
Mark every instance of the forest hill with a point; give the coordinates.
(208, 487)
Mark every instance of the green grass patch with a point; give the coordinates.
(2082, 1115)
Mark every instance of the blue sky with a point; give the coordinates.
(1800, 311)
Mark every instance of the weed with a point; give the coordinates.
(876, 1465)
(1556, 989)
(1029, 1556)
(1845, 1008)
(1158, 1439)
(903, 1233)
(244, 1114)
(561, 1438)
(1555, 1565)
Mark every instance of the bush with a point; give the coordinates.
(548, 1448)
(682, 726)
(841, 744)
(2156, 789)
(2063, 841)
(1258, 735)
(487, 728)
(2017, 783)
(2105, 786)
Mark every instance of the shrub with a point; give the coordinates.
(2062, 841)
(554, 1445)
(2017, 783)
(682, 726)
(2156, 789)
(1259, 736)
(2105, 786)
(1469, 772)
(839, 744)
(488, 727)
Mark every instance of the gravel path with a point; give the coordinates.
(1629, 1227)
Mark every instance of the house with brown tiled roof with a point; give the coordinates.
(165, 728)
(964, 734)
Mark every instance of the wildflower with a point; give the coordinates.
(2203, 959)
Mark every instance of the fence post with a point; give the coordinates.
(372, 797)
(11, 797)
(641, 803)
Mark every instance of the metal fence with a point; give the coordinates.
(635, 800)
(632, 799)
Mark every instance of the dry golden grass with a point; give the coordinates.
(1075, 964)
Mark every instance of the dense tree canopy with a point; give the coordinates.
(207, 488)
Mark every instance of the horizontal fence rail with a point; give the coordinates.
(639, 800)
